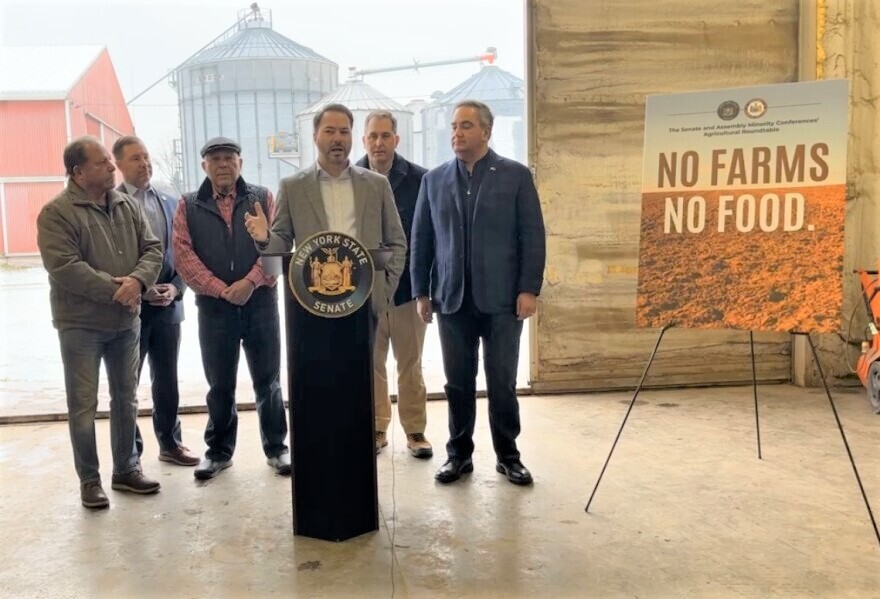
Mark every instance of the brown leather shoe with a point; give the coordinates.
(381, 440)
(92, 495)
(180, 455)
(134, 482)
(419, 446)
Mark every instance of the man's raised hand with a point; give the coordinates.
(257, 224)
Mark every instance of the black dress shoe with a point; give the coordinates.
(453, 469)
(515, 472)
(209, 468)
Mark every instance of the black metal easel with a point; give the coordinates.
(757, 422)
(842, 435)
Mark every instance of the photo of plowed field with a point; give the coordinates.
(758, 281)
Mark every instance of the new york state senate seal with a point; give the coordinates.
(331, 274)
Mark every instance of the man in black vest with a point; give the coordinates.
(237, 303)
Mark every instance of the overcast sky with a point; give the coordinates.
(146, 40)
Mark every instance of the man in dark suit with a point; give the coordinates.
(478, 255)
(161, 305)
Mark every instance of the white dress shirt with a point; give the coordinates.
(337, 194)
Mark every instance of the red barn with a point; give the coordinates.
(49, 95)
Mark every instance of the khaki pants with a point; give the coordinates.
(404, 329)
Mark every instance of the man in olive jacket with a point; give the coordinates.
(100, 255)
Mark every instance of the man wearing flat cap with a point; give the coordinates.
(237, 304)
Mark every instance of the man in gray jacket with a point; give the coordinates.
(334, 195)
(100, 255)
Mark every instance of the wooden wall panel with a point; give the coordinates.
(594, 64)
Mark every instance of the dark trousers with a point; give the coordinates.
(223, 330)
(460, 335)
(160, 344)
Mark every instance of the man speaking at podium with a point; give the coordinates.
(330, 381)
(334, 195)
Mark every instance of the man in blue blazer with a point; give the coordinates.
(477, 259)
(161, 305)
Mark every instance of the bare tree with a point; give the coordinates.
(167, 171)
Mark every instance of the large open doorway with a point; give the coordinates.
(414, 67)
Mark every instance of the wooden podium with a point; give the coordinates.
(332, 418)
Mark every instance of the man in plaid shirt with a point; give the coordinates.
(237, 304)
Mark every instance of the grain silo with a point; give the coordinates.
(361, 99)
(417, 107)
(502, 91)
(249, 84)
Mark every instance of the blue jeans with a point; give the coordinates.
(81, 353)
(223, 330)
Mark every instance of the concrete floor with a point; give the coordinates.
(685, 509)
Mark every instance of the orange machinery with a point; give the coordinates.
(868, 367)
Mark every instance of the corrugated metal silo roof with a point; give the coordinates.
(491, 84)
(254, 41)
(356, 95)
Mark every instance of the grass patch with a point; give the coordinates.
(7, 267)
(18, 265)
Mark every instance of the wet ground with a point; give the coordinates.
(31, 374)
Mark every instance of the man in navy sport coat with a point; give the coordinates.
(477, 259)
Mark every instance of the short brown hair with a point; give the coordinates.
(333, 108)
(125, 140)
(382, 114)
